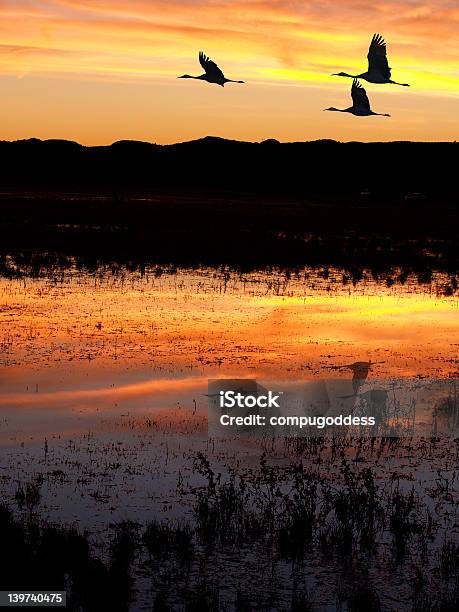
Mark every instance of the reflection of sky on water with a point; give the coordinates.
(112, 344)
(112, 370)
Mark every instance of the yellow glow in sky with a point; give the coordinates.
(101, 70)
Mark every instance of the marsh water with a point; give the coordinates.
(104, 374)
(90, 355)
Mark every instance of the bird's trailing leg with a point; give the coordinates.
(402, 84)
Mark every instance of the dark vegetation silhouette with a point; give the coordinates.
(275, 520)
(37, 554)
(248, 205)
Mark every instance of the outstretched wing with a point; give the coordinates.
(377, 57)
(359, 96)
(210, 67)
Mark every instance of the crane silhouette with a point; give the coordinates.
(360, 103)
(378, 66)
(333, 397)
(212, 73)
(360, 370)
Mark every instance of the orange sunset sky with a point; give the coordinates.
(97, 71)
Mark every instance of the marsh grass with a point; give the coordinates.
(408, 518)
(356, 593)
(37, 554)
(251, 541)
(449, 559)
(433, 595)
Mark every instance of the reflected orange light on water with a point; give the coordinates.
(84, 347)
(189, 324)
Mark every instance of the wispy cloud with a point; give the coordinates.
(266, 43)
(291, 38)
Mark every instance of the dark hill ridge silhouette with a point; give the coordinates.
(214, 201)
(321, 167)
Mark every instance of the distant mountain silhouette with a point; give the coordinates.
(214, 201)
(300, 169)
